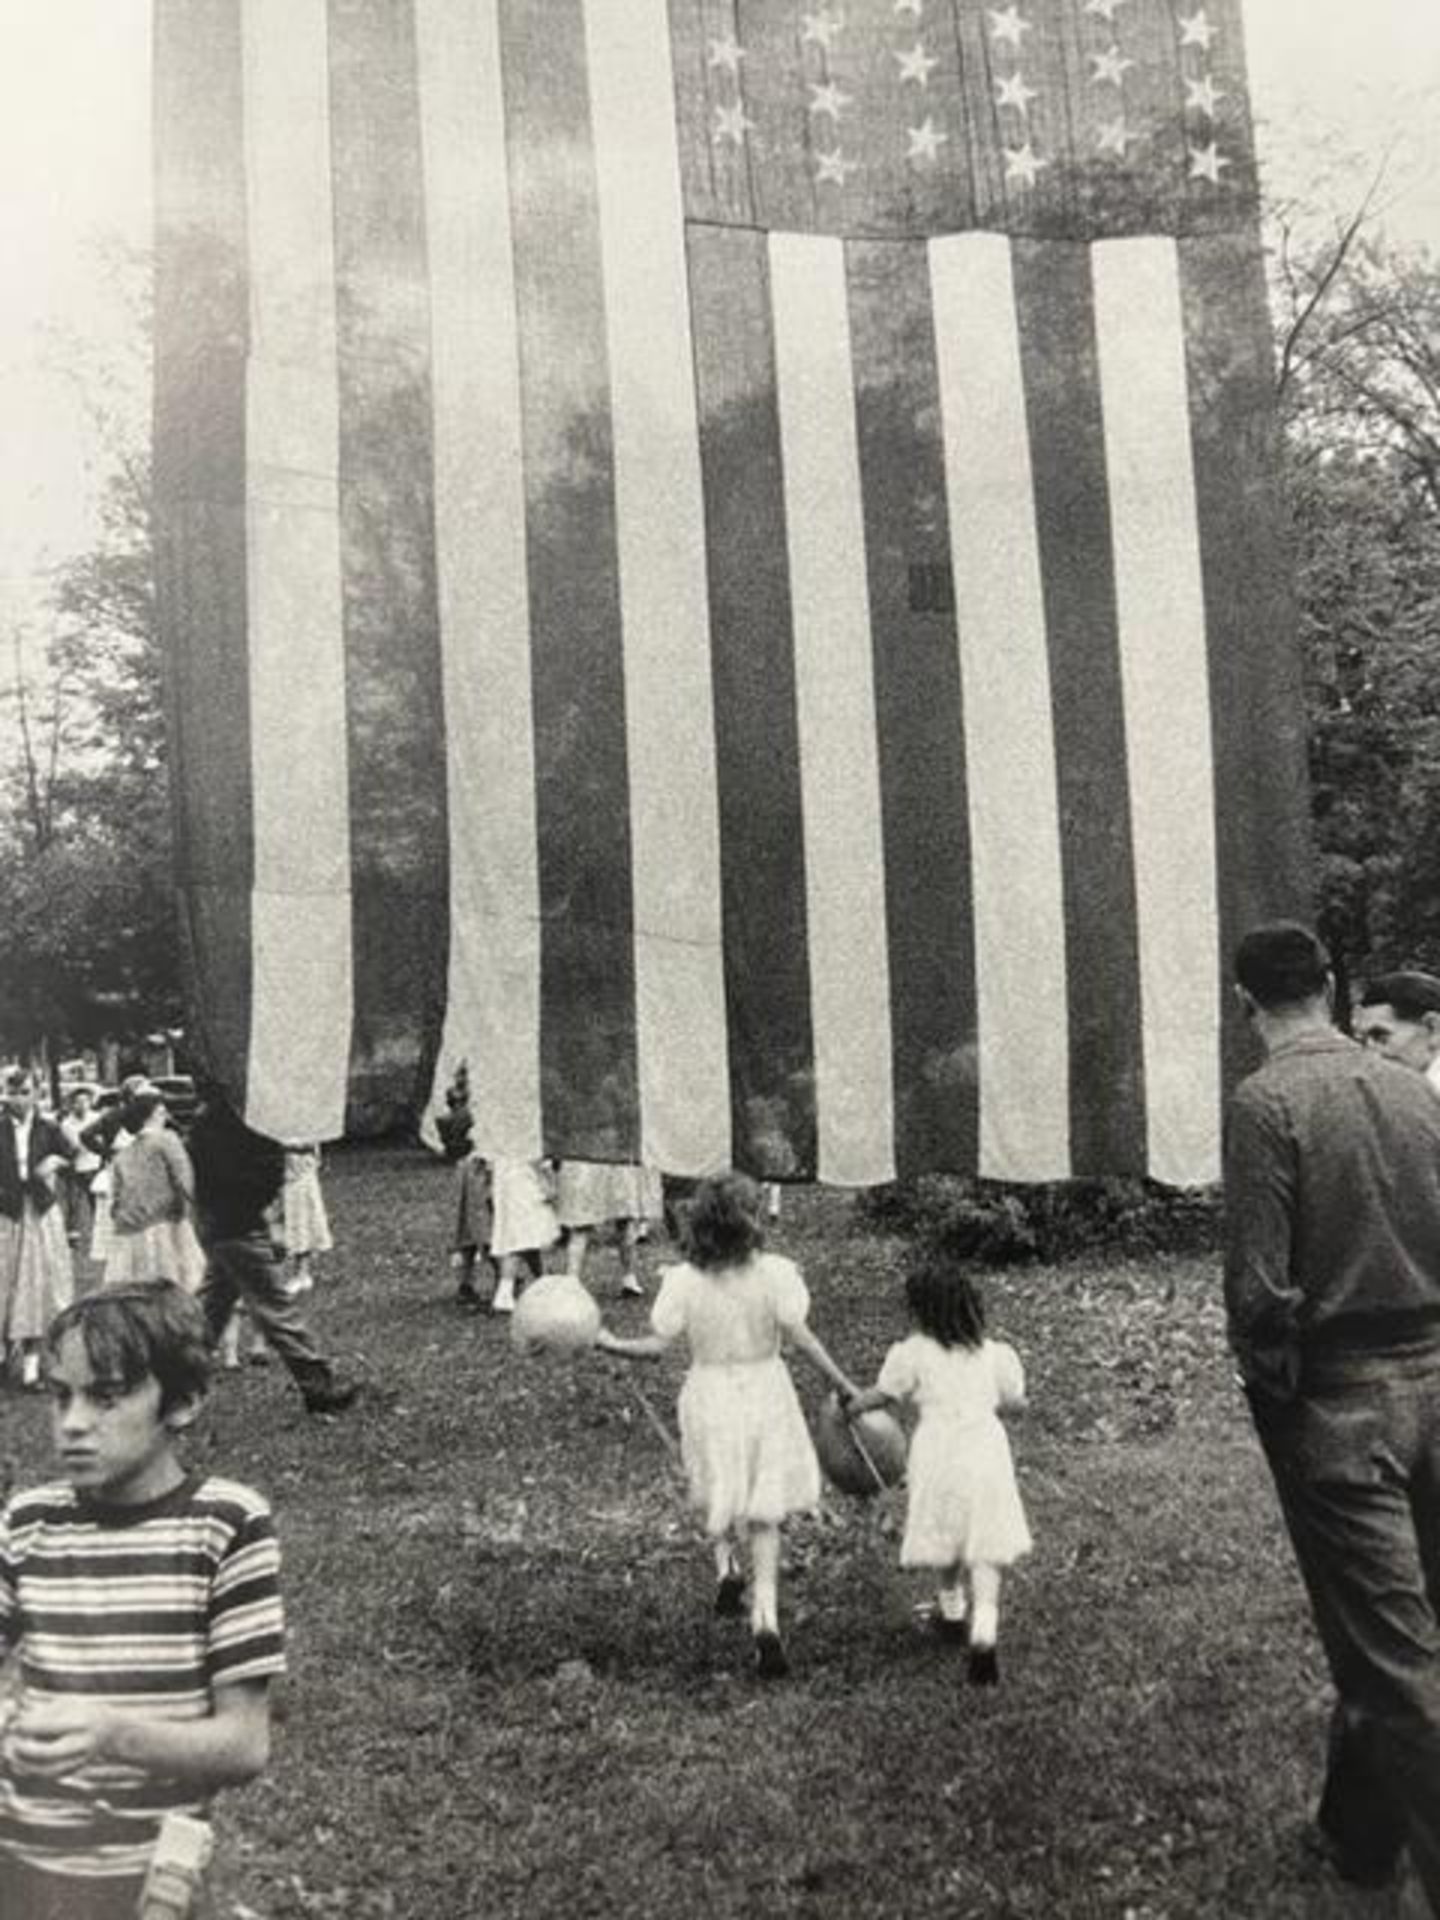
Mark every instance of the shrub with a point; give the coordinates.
(997, 1223)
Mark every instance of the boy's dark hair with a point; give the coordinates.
(723, 1224)
(1411, 993)
(17, 1080)
(1282, 964)
(153, 1328)
(945, 1301)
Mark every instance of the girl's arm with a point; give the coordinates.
(642, 1346)
(867, 1401)
(814, 1351)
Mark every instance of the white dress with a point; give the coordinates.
(523, 1220)
(963, 1503)
(307, 1225)
(747, 1450)
(591, 1192)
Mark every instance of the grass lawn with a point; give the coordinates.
(509, 1697)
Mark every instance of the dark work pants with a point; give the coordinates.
(249, 1269)
(1356, 1463)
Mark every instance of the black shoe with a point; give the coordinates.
(332, 1399)
(468, 1298)
(1325, 1850)
(770, 1661)
(730, 1596)
(983, 1669)
(955, 1633)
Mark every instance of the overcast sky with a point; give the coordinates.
(74, 156)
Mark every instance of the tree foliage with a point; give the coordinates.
(87, 946)
(1358, 356)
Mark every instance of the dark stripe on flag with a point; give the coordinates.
(395, 722)
(918, 707)
(1055, 304)
(587, 985)
(1256, 704)
(762, 850)
(201, 327)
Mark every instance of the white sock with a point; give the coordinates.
(985, 1626)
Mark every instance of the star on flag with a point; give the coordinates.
(1110, 65)
(1013, 92)
(1009, 25)
(926, 140)
(828, 99)
(731, 124)
(1206, 163)
(1113, 137)
(1202, 96)
(916, 64)
(1023, 164)
(727, 53)
(820, 29)
(831, 168)
(1196, 30)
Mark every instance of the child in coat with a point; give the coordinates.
(964, 1514)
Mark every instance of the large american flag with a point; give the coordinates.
(722, 569)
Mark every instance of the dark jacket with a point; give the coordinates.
(45, 1139)
(238, 1174)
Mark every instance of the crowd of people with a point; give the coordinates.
(160, 1586)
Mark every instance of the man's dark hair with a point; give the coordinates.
(1282, 964)
(1411, 993)
(152, 1329)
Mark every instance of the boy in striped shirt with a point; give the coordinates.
(143, 1603)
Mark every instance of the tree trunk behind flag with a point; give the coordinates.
(721, 566)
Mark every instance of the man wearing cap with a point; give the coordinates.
(1332, 1288)
(1399, 1016)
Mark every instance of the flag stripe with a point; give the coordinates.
(918, 714)
(1062, 394)
(202, 290)
(492, 1007)
(301, 1017)
(1167, 717)
(1256, 696)
(1020, 952)
(762, 850)
(670, 746)
(835, 708)
(395, 712)
(587, 1020)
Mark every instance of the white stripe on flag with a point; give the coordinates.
(1020, 958)
(492, 1012)
(1161, 607)
(669, 722)
(301, 984)
(835, 702)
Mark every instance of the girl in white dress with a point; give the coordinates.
(964, 1513)
(523, 1224)
(743, 1438)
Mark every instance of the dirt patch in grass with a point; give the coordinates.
(509, 1695)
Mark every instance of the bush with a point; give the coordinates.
(996, 1223)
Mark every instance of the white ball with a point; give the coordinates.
(555, 1313)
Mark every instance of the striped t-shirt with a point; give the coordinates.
(147, 1608)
